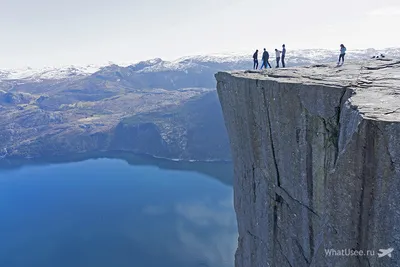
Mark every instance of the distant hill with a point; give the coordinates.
(198, 64)
(163, 108)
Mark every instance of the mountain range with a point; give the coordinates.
(163, 108)
(225, 61)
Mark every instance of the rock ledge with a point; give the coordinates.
(316, 152)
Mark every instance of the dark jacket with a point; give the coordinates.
(265, 56)
(255, 55)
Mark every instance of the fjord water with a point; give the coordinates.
(108, 212)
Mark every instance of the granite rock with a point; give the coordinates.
(316, 154)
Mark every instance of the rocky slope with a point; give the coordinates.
(79, 109)
(183, 124)
(317, 163)
(170, 113)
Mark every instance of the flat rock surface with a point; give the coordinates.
(317, 163)
(376, 83)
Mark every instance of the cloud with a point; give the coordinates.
(385, 11)
(216, 249)
(209, 212)
(207, 232)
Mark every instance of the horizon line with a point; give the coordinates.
(241, 52)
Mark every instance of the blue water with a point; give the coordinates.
(106, 212)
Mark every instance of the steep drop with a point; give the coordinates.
(316, 152)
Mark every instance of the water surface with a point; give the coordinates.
(113, 212)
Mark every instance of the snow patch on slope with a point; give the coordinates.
(198, 62)
(47, 73)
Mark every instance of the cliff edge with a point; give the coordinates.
(316, 154)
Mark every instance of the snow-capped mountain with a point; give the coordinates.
(222, 61)
(47, 73)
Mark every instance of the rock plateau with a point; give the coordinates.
(316, 153)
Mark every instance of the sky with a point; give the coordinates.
(40, 33)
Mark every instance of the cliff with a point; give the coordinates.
(316, 153)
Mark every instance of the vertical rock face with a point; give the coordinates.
(316, 152)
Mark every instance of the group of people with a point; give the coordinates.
(279, 56)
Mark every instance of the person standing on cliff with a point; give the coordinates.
(278, 57)
(283, 55)
(255, 60)
(342, 54)
(265, 58)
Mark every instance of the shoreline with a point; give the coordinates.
(10, 161)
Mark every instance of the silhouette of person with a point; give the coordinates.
(265, 58)
(278, 57)
(255, 60)
(342, 53)
(283, 55)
